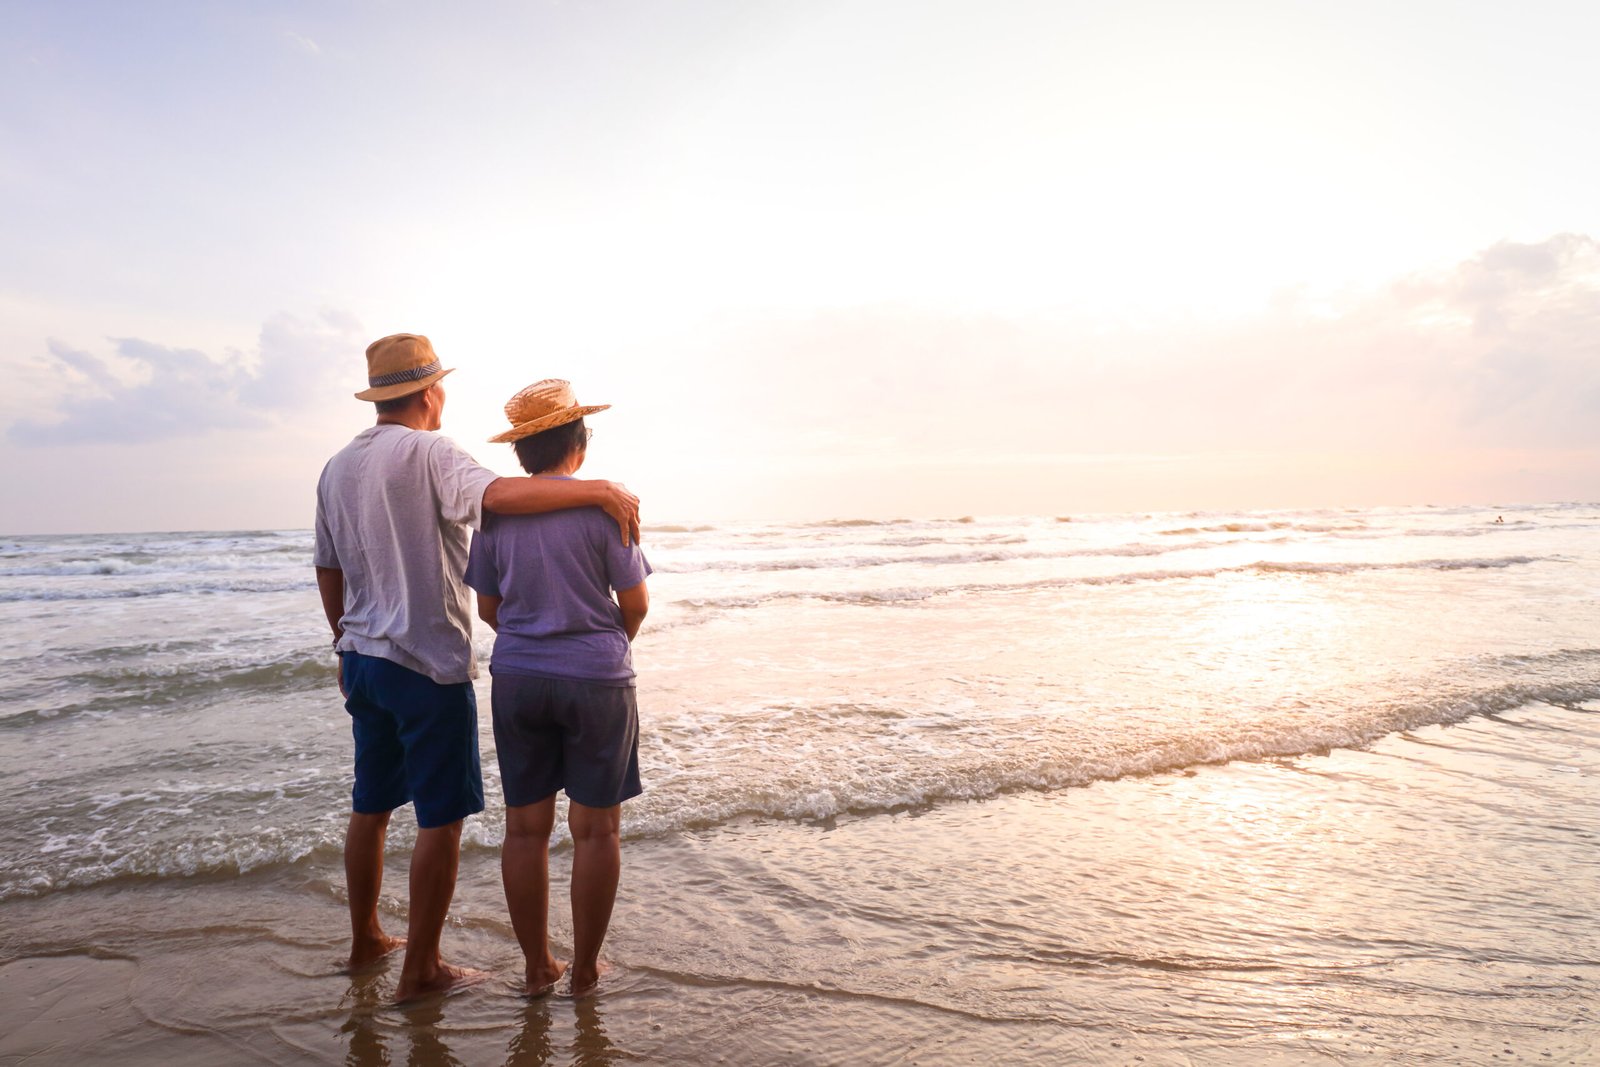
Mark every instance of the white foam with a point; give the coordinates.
(905, 594)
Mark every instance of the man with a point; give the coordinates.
(393, 510)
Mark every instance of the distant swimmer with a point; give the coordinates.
(1500, 519)
(393, 509)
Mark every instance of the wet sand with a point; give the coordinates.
(1427, 901)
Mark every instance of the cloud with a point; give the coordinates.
(1509, 341)
(304, 44)
(1498, 351)
(296, 361)
(157, 393)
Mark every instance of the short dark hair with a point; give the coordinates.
(396, 405)
(548, 448)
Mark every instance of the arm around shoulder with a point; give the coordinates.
(527, 496)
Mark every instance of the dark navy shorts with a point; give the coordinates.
(555, 733)
(416, 740)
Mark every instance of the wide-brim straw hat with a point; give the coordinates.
(399, 365)
(543, 406)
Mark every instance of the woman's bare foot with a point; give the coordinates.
(442, 979)
(367, 951)
(543, 978)
(585, 983)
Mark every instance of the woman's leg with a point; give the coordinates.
(525, 870)
(596, 867)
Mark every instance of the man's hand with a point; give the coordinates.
(621, 505)
(533, 496)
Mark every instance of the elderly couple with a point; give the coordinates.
(393, 566)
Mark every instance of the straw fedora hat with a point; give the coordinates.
(399, 365)
(543, 406)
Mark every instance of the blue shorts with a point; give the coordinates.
(416, 740)
(557, 733)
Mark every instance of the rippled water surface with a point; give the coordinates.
(1193, 788)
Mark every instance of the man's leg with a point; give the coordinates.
(596, 868)
(525, 869)
(363, 875)
(434, 862)
(438, 727)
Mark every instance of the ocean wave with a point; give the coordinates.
(907, 763)
(1262, 526)
(950, 541)
(834, 524)
(90, 860)
(184, 682)
(118, 565)
(907, 594)
(303, 582)
(994, 552)
(69, 568)
(1496, 563)
(1035, 757)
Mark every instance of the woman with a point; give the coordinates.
(565, 714)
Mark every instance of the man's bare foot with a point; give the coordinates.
(543, 978)
(366, 952)
(445, 978)
(585, 983)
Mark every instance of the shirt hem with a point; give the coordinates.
(630, 682)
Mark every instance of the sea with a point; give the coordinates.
(1267, 787)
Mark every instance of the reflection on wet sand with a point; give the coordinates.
(593, 1045)
(364, 1037)
(375, 1033)
(375, 1022)
(427, 1042)
(531, 1045)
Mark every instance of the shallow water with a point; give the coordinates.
(917, 792)
(1289, 910)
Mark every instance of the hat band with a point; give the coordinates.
(404, 375)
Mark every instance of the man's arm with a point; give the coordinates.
(635, 605)
(330, 583)
(489, 610)
(525, 496)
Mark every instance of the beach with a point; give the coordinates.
(1276, 787)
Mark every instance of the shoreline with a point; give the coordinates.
(1397, 903)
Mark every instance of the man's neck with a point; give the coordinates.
(415, 420)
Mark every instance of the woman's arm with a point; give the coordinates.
(489, 610)
(635, 605)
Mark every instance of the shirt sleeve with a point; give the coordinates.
(323, 552)
(459, 482)
(482, 574)
(626, 566)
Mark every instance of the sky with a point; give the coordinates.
(865, 259)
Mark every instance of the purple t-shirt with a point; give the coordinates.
(555, 573)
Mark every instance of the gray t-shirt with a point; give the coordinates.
(555, 573)
(393, 509)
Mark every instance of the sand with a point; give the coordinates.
(1367, 907)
